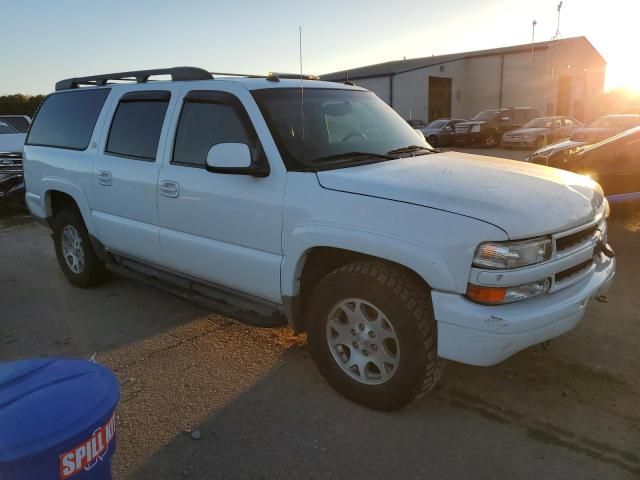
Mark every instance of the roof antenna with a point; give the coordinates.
(301, 85)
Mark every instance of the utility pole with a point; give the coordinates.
(557, 35)
(533, 36)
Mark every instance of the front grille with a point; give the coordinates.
(575, 239)
(574, 271)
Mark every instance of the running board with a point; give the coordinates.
(256, 312)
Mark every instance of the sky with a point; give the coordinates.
(45, 40)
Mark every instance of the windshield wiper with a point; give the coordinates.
(352, 155)
(411, 149)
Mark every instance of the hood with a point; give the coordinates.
(556, 147)
(472, 122)
(593, 134)
(522, 199)
(525, 131)
(12, 142)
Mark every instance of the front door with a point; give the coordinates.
(125, 173)
(224, 229)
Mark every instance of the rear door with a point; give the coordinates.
(125, 173)
(224, 229)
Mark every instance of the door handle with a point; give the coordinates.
(104, 178)
(169, 189)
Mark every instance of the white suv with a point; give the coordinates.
(285, 199)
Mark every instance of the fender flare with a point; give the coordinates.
(60, 184)
(421, 259)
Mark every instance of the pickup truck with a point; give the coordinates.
(287, 199)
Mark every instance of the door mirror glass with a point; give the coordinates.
(229, 155)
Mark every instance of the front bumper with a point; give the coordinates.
(518, 142)
(469, 138)
(485, 335)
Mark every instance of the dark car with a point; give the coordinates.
(439, 133)
(415, 123)
(11, 173)
(604, 127)
(541, 131)
(488, 126)
(614, 163)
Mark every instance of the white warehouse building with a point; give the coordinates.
(559, 77)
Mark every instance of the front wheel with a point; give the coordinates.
(491, 141)
(432, 140)
(373, 335)
(74, 251)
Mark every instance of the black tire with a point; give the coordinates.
(406, 304)
(93, 272)
(433, 140)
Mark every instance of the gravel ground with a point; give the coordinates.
(262, 411)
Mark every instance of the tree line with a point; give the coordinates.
(19, 104)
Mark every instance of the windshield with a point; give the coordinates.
(486, 115)
(539, 123)
(339, 125)
(615, 122)
(437, 124)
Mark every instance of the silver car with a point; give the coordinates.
(541, 131)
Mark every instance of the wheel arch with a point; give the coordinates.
(308, 261)
(60, 194)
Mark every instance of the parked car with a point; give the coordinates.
(20, 123)
(541, 131)
(391, 255)
(554, 148)
(11, 179)
(440, 132)
(614, 163)
(605, 127)
(417, 124)
(488, 126)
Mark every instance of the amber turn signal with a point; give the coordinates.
(494, 295)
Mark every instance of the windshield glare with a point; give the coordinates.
(4, 128)
(336, 122)
(486, 115)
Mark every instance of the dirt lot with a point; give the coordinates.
(263, 411)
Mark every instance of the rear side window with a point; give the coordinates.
(20, 124)
(137, 124)
(67, 119)
(204, 124)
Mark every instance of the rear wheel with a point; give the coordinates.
(491, 141)
(74, 251)
(373, 335)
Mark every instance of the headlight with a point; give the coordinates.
(506, 255)
(500, 295)
(607, 208)
(475, 128)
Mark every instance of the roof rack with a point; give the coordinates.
(139, 76)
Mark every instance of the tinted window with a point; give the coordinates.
(202, 125)
(135, 129)
(520, 116)
(67, 119)
(4, 128)
(20, 124)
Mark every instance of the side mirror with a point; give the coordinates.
(506, 119)
(234, 159)
(448, 128)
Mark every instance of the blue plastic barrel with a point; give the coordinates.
(57, 420)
